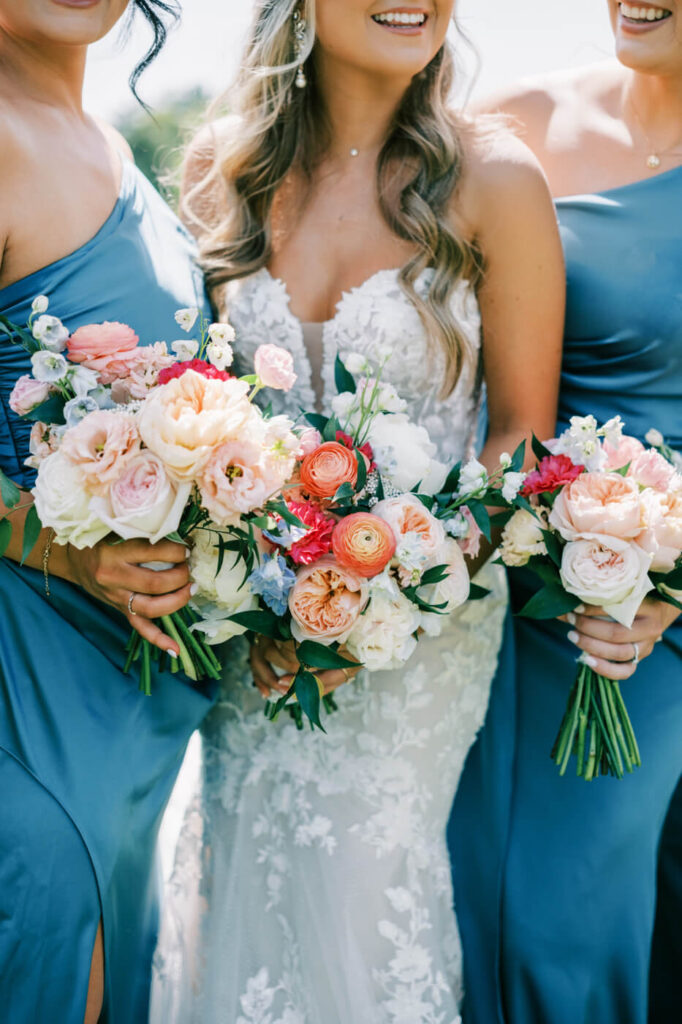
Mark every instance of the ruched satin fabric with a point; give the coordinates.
(86, 762)
(555, 879)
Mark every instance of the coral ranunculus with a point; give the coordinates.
(553, 471)
(364, 543)
(326, 601)
(325, 469)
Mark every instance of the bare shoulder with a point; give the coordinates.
(502, 174)
(115, 139)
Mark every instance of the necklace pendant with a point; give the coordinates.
(354, 151)
(653, 161)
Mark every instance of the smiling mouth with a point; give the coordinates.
(401, 19)
(638, 15)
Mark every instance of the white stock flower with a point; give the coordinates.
(186, 318)
(522, 538)
(513, 482)
(457, 526)
(342, 405)
(185, 349)
(219, 355)
(356, 363)
(404, 454)
(473, 479)
(612, 431)
(49, 367)
(222, 334)
(50, 332)
(78, 408)
(63, 504)
(40, 304)
(82, 380)
(614, 577)
(383, 636)
(582, 444)
(654, 438)
(412, 555)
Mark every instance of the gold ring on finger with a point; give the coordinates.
(635, 659)
(132, 597)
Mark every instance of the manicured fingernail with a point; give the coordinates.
(571, 618)
(173, 655)
(581, 609)
(658, 640)
(187, 552)
(573, 636)
(194, 589)
(588, 660)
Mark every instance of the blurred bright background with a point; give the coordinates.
(512, 39)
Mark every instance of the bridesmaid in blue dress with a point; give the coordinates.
(86, 762)
(555, 878)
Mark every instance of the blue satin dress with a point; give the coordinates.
(86, 762)
(555, 878)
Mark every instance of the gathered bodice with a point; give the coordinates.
(623, 339)
(138, 268)
(372, 319)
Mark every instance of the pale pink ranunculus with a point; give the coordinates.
(661, 536)
(235, 480)
(310, 439)
(185, 420)
(42, 442)
(650, 469)
(133, 375)
(275, 367)
(93, 344)
(610, 573)
(325, 601)
(143, 501)
(406, 514)
(598, 505)
(101, 446)
(28, 393)
(624, 452)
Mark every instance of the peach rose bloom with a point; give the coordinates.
(236, 480)
(598, 505)
(407, 514)
(326, 601)
(610, 573)
(101, 446)
(96, 343)
(619, 455)
(326, 468)
(275, 367)
(662, 533)
(650, 469)
(185, 420)
(363, 543)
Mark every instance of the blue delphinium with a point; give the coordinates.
(273, 580)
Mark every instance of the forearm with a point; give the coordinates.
(59, 557)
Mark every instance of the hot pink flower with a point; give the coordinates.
(366, 449)
(28, 393)
(553, 471)
(317, 540)
(96, 343)
(275, 367)
(198, 365)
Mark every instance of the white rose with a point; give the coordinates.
(613, 577)
(185, 349)
(51, 333)
(522, 538)
(453, 591)
(144, 501)
(63, 504)
(404, 454)
(383, 636)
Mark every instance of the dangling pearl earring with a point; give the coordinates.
(299, 43)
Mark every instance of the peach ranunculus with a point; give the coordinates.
(28, 393)
(185, 420)
(326, 468)
(237, 479)
(661, 536)
(598, 505)
(650, 469)
(275, 367)
(624, 452)
(363, 543)
(326, 601)
(144, 501)
(101, 446)
(610, 572)
(94, 344)
(406, 514)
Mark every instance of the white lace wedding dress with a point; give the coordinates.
(311, 881)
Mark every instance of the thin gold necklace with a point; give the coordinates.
(654, 155)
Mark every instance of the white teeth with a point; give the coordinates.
(644, 13)
(399, 18)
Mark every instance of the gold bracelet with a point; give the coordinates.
(47, 551)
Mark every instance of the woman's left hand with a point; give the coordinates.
(612, 650)
(267, 653)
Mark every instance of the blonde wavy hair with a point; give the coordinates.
(280, 128)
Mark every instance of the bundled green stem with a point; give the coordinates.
(197, 659)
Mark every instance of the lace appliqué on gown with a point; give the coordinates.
(312, 883)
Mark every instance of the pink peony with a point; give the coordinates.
(619, 455)
(275, 367)
(326, 601)
(100, 446)
(236, 480)
(317, 540)
(650, 469)
(27, 394)
(95, 344)
(553, 472)
(598, 505)
(661, 535)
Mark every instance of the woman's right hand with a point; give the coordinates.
(114, 572)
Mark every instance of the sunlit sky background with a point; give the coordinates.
(513, 38)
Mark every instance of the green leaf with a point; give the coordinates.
(175, 537)
(32, 528)
(434, 575)
(452, 479)
(265, 623)
(307, 691)
(314, 655)
(344, 380)
(518, 458)
(501, 519)
(539, 449)
(362, 471)
(554, 549)
(671, 579)
(549, 603)
(50, 411)
(250, 378)
(481, 517)
(344, 493)
(5, 535)
(10, 493)
(476, 593)
(316, 420)
(18, 336)
(331, 429)
(623, 471)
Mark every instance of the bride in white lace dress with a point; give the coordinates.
(311, 881)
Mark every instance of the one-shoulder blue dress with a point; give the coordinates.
(86, 762)
(555, 878)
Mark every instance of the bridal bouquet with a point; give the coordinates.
(599, 520)
(368, 552)
(131, 441)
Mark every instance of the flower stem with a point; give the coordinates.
(186, 660)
